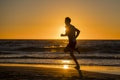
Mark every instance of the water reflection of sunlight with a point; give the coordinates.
(66, 61)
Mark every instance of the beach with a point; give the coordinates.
(45, 60)
(48, 72)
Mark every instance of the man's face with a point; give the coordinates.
(67, 22)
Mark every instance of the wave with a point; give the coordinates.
(101, 46)
(103, 62)
(61, 49)
(59, 57)
(37, 49)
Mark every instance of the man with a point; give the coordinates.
(72, 34)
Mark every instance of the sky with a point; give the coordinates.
(44, 19)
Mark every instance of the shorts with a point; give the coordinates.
(70, 47)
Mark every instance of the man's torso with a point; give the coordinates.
(71, 33)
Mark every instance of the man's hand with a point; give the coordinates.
(63, 35)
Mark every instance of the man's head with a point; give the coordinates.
(67, 20)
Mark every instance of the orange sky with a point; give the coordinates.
(44, 19)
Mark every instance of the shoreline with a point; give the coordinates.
(50, 72)
(93, 68)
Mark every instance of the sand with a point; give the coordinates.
(43, 72)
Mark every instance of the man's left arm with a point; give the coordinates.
(77, 32)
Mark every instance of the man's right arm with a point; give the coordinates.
(66, 32)
(63, 34)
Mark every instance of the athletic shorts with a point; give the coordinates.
(70, 47)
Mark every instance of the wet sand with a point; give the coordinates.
(43, 72)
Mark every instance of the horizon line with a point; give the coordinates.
(58, 39)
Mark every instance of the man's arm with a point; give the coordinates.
(77, 33)
(66, 32)
(63, 34)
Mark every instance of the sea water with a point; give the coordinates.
(92, 52)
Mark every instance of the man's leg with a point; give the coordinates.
(67, 48)
(72, 55)
(77, 50)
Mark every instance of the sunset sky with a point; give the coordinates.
(44, 19)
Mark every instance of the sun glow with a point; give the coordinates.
(62, 30)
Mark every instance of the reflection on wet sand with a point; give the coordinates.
(65, 66)
(48, 72)
(66, 62)
(101, 69)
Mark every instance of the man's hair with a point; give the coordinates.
(68, 19)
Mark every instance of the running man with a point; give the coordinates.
(72, 34)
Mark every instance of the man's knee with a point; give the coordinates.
(71, 54)
(65, 50)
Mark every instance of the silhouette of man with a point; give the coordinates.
(72, 34)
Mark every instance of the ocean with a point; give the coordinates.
(92, 52)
